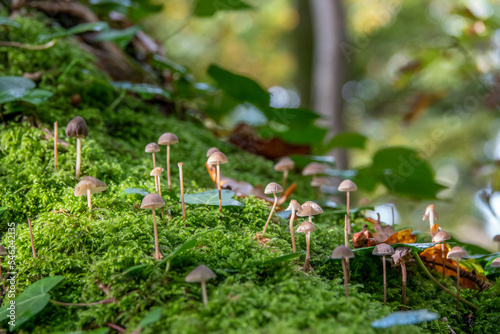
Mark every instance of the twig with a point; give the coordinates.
(28, 47)
(105, 301)
(116, 327)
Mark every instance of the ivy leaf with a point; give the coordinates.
(78, 29)
(211, 197)
(206, 8)
(405, 318)
(146, 91)
(129, 191)
(13, 88)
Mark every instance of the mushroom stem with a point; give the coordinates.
(285, 176)
(308, 249)
(458, 283)
(292, 217)
(443, 257)
(346, 235)
(154, 160)
(403, 272)
(159, 185)
(344, 269)
(156, 184)
(181, 177)
(431, 219)
(78, 155)
(31, 237)
(157, 251)
(89, 198)
(385, 280)
(168, 168)
(56, 155)
(218, 187)
(348, 213)
(271, 213)
(204, 293)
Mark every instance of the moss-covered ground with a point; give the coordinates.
(249, 294)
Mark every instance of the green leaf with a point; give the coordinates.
(135, 269)
(128, 191)
(211, 197)
(165, 64)
(283, 258)
(146, 91)
(206, 8)
(78, 29)
(2, 210)
(405, 318)
(347, 140)
(311, 135)
(121, 37)
(153, 316)
(5, 21)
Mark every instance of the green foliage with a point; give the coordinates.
(211, 197)
(146, 91)
(347, 140)
(21, 89)
(120, 37)
(206, 8)
(78, 29)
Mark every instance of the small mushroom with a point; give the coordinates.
(156, 172)
(456, 253)
(212, 150)
(218, 158)
(272, 188)
(343, 253)
(348, 186)
(314, 169)
(400, 257)
(201, 274)
(89, 185)
(154, 201)
(307, 227)
(383, 249)
(441, 236)
(284, 165)
(294, 206)
(152, 148)
(309, 209)
(495, 263)
(77, 128)
(496, 238)
(168, 139)
(181, 177)
(430, 214)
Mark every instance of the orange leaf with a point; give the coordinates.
(402, 237)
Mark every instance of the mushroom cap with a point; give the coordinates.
(152, 201)
(428, 210)
(284, 164)
(3, 251)
(200, 274)
(212, 150)
(455, 252)
(77, 128)
(152, 147)
(441, 236)
(314, 168)
(156, 171)
(306, 227)
(347, 185)
(495, 263)
(496, 238)
(383, 249)
(217, 158)
(273, 188)
(320, 181)
(89, 182)
(168, 139)
(342, 252)
(294, 206)
(309, 208)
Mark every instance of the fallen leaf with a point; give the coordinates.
(402, 237)
(382, 233)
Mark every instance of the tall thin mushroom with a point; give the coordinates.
(154, 201)
(218, 158)
(307, 227)
(400, 257)
(152, 148)
(168, 139)
(87, 186)
(201, 274)
(383, 249)
(343, 253)
(441, 236)
(430, 214)
(272, 188)
(156, 172)
(348, 186)
(77, 128)
(294, 206)
(181, 177)
(284, 165)
(456, 253)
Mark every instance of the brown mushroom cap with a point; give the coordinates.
(495, 263)
(383, 249)
(347, 185)
(217, 158)
(200, 274)
(152, 147)
(152, 201)
(273, 188)
(156, 171)
(441, 236)
(306, 227)
(284, 164)
(309, 208)
(3, 251)
(77, 128)
(320, 181)
(314, 168)
(294, 206)
(342, 252)
(430, 208)
(89, 182)
(212, 150)
(455, 252)
(496, 238)
(168, 139)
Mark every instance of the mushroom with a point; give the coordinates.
(343, 253)
(201, 274)
(152, 148)
(307, 227)
(294, 206)
(77, 128)
(314, 169)
(284, 165)
(456, 253)
(31, 238)
(168, 139)
(181, 177)
(430, 214)
(318, 182)
(212, 150)
(496, 238)
(441, 236)
(383, 249)
(154, 201)
(348, 186)
(56, 155)
(89, 185)
(309, 209)
(272, 188)
(218, 158)
(400, 256)
(495, 263)
(156, 172)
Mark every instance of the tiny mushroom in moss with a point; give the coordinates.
(294, 206)
(154, 201)
(496, 238)
(284, 165)
(218, 158)
(201, 274)
(181, 179)
(309, 209)
(383, 249)
(456, 253)
(430, 214)
(87, 186)
(314, 169)
(156, 172)
(272, 188)
(442, 236)
(307, 227)
(343, 253)
(348, 186)
(168, 139)
(211, 151)
(152, 148)
(77, 128)
(400, 257)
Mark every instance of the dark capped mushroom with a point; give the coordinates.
(168, 139)
(154, 201)
(77, 128)
(383, 250)
(456, 253)
(272, 188)
(284, 165)
(343, 253)
(87, 186)
(201, 274)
